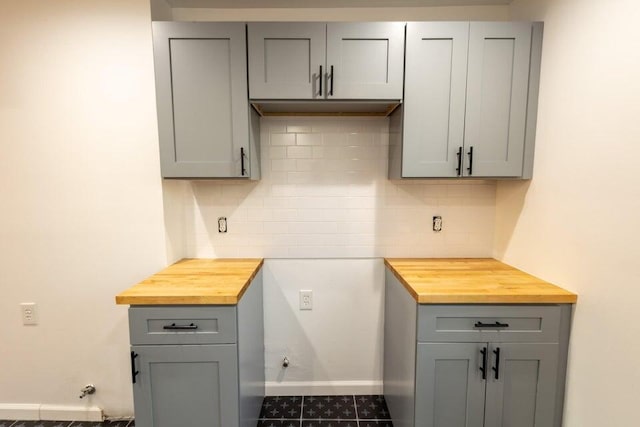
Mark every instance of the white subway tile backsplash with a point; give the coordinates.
(277, 152)
(314, 139)
(299, 152)
(283, 165)
(324, 193)
(283, 139)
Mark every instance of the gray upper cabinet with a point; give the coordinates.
(434, 103)
(314, 61)
(365, 60)
(497, 88)
(285, 60)
(205, 124)
(470, 101)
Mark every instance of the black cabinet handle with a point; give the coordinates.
(243, 170)
(173, 326)
(491, 325)
(483, 368)
(320, 78)
(134, 373)
(470, 168)
(331, 87)
(496, 368)
(459, 168)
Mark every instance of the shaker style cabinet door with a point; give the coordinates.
(523, 390)
(434, 102)
(497, 91)
(186, 385)
(286, 60)
(450, 391)
(201, 89)
(365, 60)
(318, 61)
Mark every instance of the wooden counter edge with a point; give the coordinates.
(189, 300)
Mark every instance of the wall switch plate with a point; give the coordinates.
(29, 313)
(306, 300)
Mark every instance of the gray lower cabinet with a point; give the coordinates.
(206, 127)
(473, 365)
(518, 388)
(470, 101)
(186, 385)
(199, 366)
(320, 61)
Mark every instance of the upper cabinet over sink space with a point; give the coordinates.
(470, 104)
(318, 61)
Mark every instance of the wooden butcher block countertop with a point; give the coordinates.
(194, 281)
(473, 281)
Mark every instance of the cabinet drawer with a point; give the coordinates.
(182, 325)
(496, 323)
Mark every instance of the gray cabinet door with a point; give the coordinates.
(524, 394)
(286, 59)
(434, 102)
(186, 385)
(365, 60)
(497, 89)
(201, 89)
(450, 390)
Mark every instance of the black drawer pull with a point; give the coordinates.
(174, 327)
(134, 373)
(491, 325)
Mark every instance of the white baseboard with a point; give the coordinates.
(19, 411)
(318, 388)
(36, 412)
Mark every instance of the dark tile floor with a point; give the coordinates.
(281, 411)
(324, 411)
(9, 423)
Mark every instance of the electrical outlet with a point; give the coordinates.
(29, 313)
(437, 224)
(306, 300)
(222, 224)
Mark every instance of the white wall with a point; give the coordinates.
(478, 13)
(577, 223)
(335, 347)
(81, 215)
